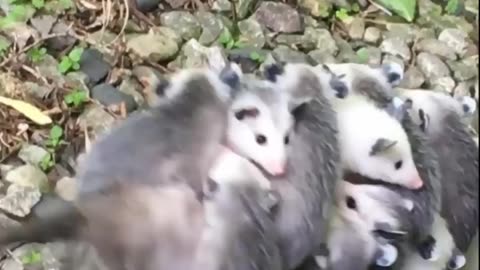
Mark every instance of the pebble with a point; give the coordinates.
(374, 55)
(279, 17)
(66, 188)
(108, 95)
(176, 3)
(182, 22)
(285, 54)
(147, 5)
(62, 42)
(19, 200)
(323, 40)
(32, 154)
(48, 67)
(436, 47)
(397, 47)
(96, 119)
(38, 91)
(413, 78)
(160, 47)
(316, 8)
(322, 57)
(43, 24)
(463, 70)
(432, 66)
(356, 28)
(444, 84)
(372, 35)
(455, 39)
(212, 27)
(93, 65)
(28, 176)
(243, 8)
(131, 87)
(251, 33)
(405, 32)
(222, 5)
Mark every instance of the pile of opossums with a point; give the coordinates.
(302, 167)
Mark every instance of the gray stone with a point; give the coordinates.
(463, 70)
(212, 27)
(251, 33)
(323, 40)
(432, 66)
(32, 154)
(19, 200)
(193, 54)
(160, 47)
(149, 5)
(96, 119)
(465, 88)
(455, 39)
(374, 55)
(167, 33)
(108, 95)
(356, 28)
(321, 57)
(6, 223)
(316, 8)
(222, 5)
(78, 80)
(372, 35)
(28, 176)
(48, 68)
(243, 56)
(427, 8)
(60, 43)
(305, 42)
(413, 78)
(149, 78)
(131, 87)
(396, 47)
(43, 24)
(443, 84)
(66, 188)
(183, 23)
(436, 47)
(425, 33)
(93, 65)
(405, 32)
(285, 54)
(346, 53)
(279, 17)
(176, 3)
(4, 169)
(38, 91)
(243, 7)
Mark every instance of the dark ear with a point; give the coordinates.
(298, 110)
(272, 71)
(230, 76)
(424, 120)
(162, 85)
(338, 86)
(393, 72)
(246, 112)
(381, 145)
(211, 186)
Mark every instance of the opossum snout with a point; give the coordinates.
(415, 183)
(276, 168)
(339, 87)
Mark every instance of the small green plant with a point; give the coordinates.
(452, 6)
(53, 142)
(37, 54)
(4, 44)
(342, 14)
(76, 98)
(55, 139)
(38, 4)
(228, 41)
(71, 61)
(46, 162)
(32, 257)
(363, 56)
(255, 56)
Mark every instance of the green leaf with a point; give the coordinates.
(66, 4)
(342, 14)
(38, 4)
(75, 54)
(65, 65)
(76, 98)
(404, 8)
(46, 162)
(32, 258)
(7, 22)
(225, 37)
(230, 44)
(363, 56)
(255, 56)
(56, 132)
(4, 44)
(37, 54)
(75, 66)
(355, 8)
(452, 6)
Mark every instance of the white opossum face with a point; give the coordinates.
(259, 128)
(375, 145)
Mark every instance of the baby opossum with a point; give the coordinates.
(376, 84)
(306, 191)
(458, 158)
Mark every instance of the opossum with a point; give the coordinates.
(306, 191)
(458, 158)
(240, 232)
(377, 85)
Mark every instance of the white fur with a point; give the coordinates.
(390, 255)
(360, 125)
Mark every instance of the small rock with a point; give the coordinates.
(396, 47)
(443, 84)
(77, 80)
(321, 57)
(287, 55)
(425, 33)
(168, 33)
(251, 33)
(4, 169)
(147, 76)
(195, 55)
(48, 67)
(463, 70)
(28, 176)
(432, 66)
(412, 79)
(19, 200)
(102, 37)
(436, 47)
(346, 53)
(176, 3)
(466, 88)
(212, 27)
(427, 8)
(6, 223)
(21, 33)
(323, 40)
(372, 35)
(393, 59)
(222, 5)
(93, 65)
(130, 87)
(316, 8)
(148, 5)
(356, 28)
(183, 23)
(160, 47)
(108, 95)
(96, 119)
(32, 154)
(62, 42)
(38, 91)
(279, 17)
(66, 188)
(43, 24)
(455, 39)
(374, 55)
(405, 32)
(243, 57)
(243, 8)
(471, 50)
(303, 42)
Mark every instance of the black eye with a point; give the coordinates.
(240, 115)
(286, 140)
(398, 165)
(261, 139)
(351, 203)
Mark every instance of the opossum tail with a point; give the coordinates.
(56, 219)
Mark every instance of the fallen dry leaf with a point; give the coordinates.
(27, 109)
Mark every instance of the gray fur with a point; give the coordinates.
(312, 170)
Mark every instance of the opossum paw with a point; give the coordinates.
(457, 261)
(428, 250)
(386, 256)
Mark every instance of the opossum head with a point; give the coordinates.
(375, 145)
(259, 125)
(304, 82)
(224, 82)
(376, 82)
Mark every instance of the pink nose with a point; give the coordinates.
(415, 183)
(276, 168)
